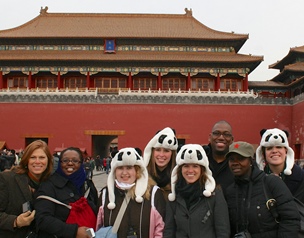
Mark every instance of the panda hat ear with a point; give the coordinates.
(275, 137)
(262, 132)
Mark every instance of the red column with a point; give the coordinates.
(1, 80)
(129, 82)
(188, 81)
(159, 81)
(245, 83)
(30, 80)
(88, 80)
(58, 80)
(217, 83)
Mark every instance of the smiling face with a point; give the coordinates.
(240, 166)
(161, 157)
(275, 155)
(37, 163)
(220, 138)
(70, 162)
(125, 174)
(191, 172)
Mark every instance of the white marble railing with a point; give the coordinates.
(189, 93)
(95, 92)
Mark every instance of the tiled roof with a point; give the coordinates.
(289, 58)
(99, 25)
(265, 84)
(129, 56)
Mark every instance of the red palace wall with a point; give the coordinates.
(297, 137)
(65, 124)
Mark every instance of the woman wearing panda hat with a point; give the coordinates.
(145, 211)
(274, 156)
(159, 157)
(196, 208)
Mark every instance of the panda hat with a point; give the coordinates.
(275, 137)
(127, 157)
(192, 154)
(163, 139)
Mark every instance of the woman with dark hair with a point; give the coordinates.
(159, 157)
(275, 156)
(196, 208)
(17, 187)
(259, 205)
(68, 185)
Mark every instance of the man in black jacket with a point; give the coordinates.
(219, 140)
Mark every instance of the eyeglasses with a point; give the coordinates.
(74, 161)
(217, 134)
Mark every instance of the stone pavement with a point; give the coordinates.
(99, 179)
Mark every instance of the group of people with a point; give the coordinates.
(223, 189)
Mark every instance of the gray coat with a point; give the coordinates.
(206, 218)
(14, 191)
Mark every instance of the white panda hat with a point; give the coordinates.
(192, 154)
(127, 157)
(275, 137)
(163, 139)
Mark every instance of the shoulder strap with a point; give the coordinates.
(120, 213)
(155, 187)
(271, 203)
(54, 200)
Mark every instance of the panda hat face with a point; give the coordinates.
(192, 154)
(275, 137)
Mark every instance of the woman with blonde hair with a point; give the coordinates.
(129, 182)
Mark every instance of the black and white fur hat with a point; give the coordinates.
(163, 139)
(127, 157)
(192, 154)
(275, 137)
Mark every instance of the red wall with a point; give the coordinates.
(297, 136)
(66, 123)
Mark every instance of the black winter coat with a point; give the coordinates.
(261, 223)
(51, 217)
(14, 191)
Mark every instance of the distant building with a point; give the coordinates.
(94, 80)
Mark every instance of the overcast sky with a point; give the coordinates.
(274, 26)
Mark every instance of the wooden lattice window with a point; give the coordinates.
(145, 83)
(46, 82)
(174, 83)
(203, 84)
(15, 82)
(110, 82)
(75, 82)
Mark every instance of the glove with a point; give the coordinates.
(25, 219)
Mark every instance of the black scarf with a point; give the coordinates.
(189, 192)
(163, 177)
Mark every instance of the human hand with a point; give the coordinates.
(81, 232)
(25, 219)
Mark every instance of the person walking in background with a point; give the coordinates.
(251, 196)
(219, 140)
(159, 157)
(145, 211)
(108, 163)
(275, 156)
(196, 208)
(68, 185)
(87, 167)
(17, 187)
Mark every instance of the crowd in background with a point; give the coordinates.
(224, 189)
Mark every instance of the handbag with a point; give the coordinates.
(271, 205)
(80, 211)
(111, 231)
